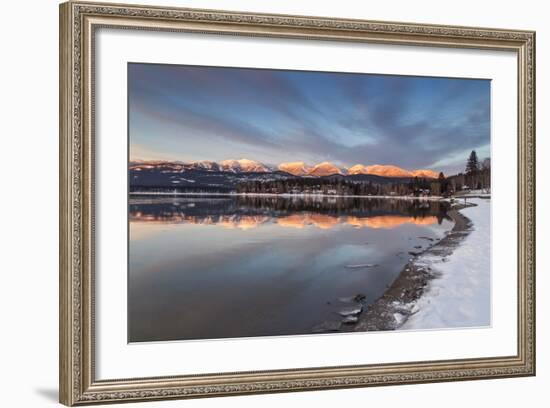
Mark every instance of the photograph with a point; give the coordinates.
(272, 201)
(268, 202)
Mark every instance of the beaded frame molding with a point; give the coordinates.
(78, 22)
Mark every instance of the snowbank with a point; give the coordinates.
(460, 296)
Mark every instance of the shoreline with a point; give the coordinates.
(393, 308)
(289, 195)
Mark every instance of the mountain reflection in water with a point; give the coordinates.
(246, 212)
(205, 267)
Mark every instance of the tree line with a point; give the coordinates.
(334, 186)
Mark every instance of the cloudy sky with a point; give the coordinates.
(203, 113)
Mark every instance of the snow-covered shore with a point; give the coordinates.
(460, 294)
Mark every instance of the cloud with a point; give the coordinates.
(276, 115)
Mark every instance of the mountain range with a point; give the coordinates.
(227, 175)
(298, 168)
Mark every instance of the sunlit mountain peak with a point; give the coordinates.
(425, 173)
(357, 169)
(388, 171)
(298, 168)
(244, 165)
(324, 169)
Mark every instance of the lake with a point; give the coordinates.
(205, 267)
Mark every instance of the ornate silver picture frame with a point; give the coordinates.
(79, 22)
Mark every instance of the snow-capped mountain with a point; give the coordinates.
(388, 171)
(232, 166)
(357, 169)
(295, 168)
(141, 165)
(324, 169)
(244, 166)
(205, 165)
(379, 170)
(423, 173)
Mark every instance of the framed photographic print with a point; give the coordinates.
(260, 203)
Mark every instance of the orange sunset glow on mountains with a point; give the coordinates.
(297, 168)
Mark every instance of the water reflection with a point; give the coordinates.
(246, 212)
(238, 266)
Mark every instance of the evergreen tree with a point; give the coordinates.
(472, 165)
(443, 183)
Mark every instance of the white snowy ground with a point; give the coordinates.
(461, 296)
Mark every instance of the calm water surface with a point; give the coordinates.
(203, 267)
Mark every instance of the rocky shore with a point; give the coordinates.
(393, 308)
